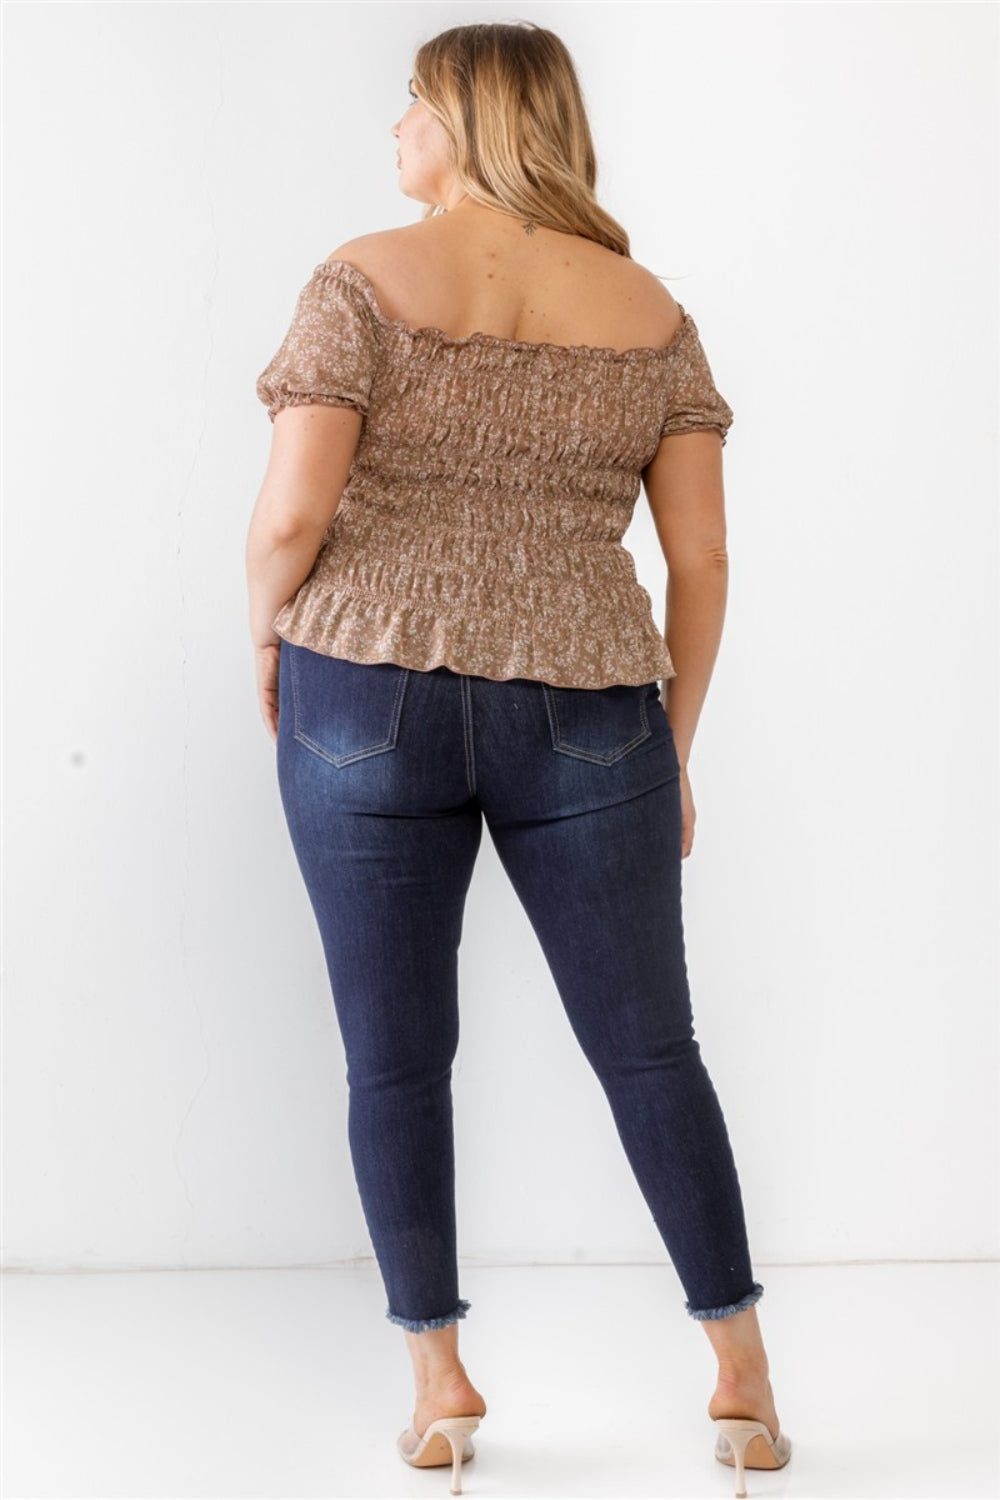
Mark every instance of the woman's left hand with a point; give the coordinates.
(266, 660)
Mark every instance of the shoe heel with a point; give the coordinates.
(457, 1430)
(427, 1451)
(739, 1433)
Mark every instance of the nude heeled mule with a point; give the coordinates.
(433, 1448)
(749, 1444)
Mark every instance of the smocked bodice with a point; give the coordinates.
(482, 520)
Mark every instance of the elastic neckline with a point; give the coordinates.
(438, 335)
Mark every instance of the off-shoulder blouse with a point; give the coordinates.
(481, 524)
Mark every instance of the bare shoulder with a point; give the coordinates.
(641, 288)
(391, 262)
(372, 251)
(633, 298)
(648, 283)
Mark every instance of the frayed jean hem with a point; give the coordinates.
(418, 1325)
(707, 1314)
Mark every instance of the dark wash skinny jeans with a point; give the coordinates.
(385, 775)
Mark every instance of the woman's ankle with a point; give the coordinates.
(442, 1381)
(436, 1360)
(743, 1378)
(738, 1347)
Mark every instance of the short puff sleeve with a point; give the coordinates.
(694, 402)
(329, 353)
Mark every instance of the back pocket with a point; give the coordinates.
(597, 724)
(345, 710)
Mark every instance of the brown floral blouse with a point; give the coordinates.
(481, 524)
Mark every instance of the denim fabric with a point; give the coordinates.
(386, 774)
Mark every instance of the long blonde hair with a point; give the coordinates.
(510, 101)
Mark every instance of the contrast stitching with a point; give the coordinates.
(566, 748)
(388, 743)
(467, 733)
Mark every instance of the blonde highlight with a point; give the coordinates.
(510, 101)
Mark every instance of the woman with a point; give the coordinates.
(442, 608)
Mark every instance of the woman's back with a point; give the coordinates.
(478, 270)
(512, 393)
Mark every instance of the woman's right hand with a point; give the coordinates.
(687, 814)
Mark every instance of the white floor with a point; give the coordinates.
(219, 1384)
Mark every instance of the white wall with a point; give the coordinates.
(820, 184)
